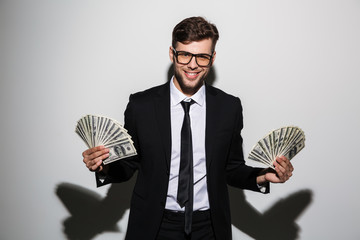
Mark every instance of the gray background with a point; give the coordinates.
(291, 63)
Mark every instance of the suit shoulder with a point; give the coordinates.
(149, 93)
(220, 94)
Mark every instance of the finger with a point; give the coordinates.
(94, 155)
(95, 159)
(282, 159)
(92, 150)
(279, 165)
(282, 172)
(96, 164)
(285, 163)
(98, 153)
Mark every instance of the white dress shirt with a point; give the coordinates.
(197, 119)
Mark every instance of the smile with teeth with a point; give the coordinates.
(192, 74)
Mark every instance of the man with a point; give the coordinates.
(166, 123)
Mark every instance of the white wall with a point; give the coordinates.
(291, 63)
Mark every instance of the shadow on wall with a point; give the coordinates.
(278, 222)
(91, 215)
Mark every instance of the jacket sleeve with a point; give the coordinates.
(238, 173)
(122, 170)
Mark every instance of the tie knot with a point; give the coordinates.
(186, 105)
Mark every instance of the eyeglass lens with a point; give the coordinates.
(203, 60)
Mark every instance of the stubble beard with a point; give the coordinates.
(189, 90)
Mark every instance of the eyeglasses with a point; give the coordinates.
(202, 59)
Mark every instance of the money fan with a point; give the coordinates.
(286, 141)
(99, 130)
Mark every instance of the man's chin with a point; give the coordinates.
(191, 81)
(191, 88)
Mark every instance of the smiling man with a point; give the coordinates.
(187, 135)
(192, 63)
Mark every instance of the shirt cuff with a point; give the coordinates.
(262, 188)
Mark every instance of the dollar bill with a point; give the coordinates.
(97, 130)
(120, 150)
(286, 141)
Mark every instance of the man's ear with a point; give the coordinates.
(213, 58)
(171, 54)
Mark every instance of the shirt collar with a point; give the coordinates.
(177, 96)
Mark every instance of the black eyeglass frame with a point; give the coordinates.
(176, 54)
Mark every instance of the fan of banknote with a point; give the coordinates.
(99, 130)
(286, 141)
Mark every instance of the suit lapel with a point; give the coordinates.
(162, 108)
(211, 115)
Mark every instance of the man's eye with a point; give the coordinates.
(205, 57)
(184, 54)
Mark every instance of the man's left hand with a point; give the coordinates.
(283, 171)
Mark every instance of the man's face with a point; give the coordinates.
(190, 77)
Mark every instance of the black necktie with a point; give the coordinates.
(186, 178)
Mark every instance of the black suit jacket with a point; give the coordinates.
(147, 118)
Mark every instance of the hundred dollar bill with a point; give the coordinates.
(120, 150)
(286, 141)
(294, 150)
(97, 130)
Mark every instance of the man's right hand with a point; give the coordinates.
(93, 158)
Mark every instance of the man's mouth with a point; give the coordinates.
(191, 75)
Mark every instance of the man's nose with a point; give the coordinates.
(192, 64)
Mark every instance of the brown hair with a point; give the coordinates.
(194, 29)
